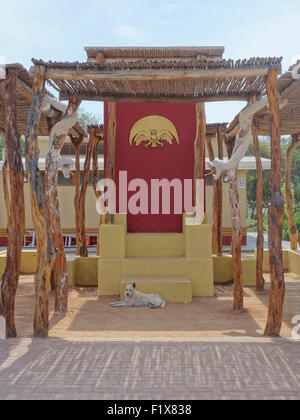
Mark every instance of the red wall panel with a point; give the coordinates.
(169, 162)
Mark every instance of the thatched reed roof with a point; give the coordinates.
(24, 97)
(97, 54)
(213, 129)
(289, 89)
(188, 79)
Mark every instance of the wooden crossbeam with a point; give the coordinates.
(134, 75)
(157, 98)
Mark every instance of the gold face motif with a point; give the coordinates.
(154, 131)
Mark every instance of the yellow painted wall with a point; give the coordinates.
(195, 264)
(294, 262)
(66, 197)
(224, 269)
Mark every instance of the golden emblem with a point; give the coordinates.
(154, 131)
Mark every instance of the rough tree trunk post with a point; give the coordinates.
(219, 198)
(77, 144)
(57, 138)
(230, 143)
(50, 123)
(237, 237)
(276, 214)
(95, 181)
(6, 192)
(288, 192)
(211, 155)
(82, 198)
(260, 282)
(199, 147)
(111, 149)
(16, 214)
(45, 248)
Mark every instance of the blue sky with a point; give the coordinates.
(60, 29)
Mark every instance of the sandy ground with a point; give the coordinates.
(92, 318)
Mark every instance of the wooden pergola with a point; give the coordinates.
(169, 75)
(289, 124)
(54, 111)
(16, 94)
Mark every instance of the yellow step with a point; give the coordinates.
(155, 245)
(172, 290)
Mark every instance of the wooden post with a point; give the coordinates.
(211, 155)
(82, 197)
(15, 204)
(237, 237)
(50, 124)
(45, 249)
(219, 198)
(77, 144)
(51, 193)
(95, 181)
(111, 149)
(288, 192)
(260, 282)
(276, 214)
(199, 145)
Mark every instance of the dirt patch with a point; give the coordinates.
(91, 317)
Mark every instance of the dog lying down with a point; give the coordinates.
(138, 299)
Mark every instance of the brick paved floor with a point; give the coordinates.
(227, 369)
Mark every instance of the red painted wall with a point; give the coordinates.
(172, 161)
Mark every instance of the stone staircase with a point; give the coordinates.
(175, 266)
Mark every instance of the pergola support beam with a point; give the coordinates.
(219, 198)
(83, 250)
(45, 249)
(14, 199)
(199, 146)
(77, 143)
(57, 138)
(260, 282)
(111, 150)
(288, 192)
(131, 75)
(157, 98)
(276, 214)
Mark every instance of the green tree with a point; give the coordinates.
(87, 118)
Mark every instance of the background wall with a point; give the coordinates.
(172, 161)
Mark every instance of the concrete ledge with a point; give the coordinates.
(28, 262)
(266, 264)
(86, 272)
(71, 270)
(224, 269)
(294, 262)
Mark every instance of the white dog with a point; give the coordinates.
(135, 298)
